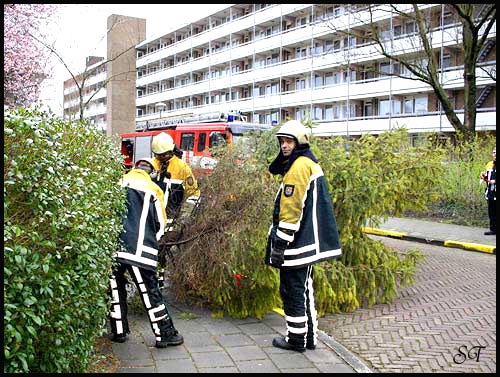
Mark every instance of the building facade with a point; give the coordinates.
(93, 93)
(278, 61)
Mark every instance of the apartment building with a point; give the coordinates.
(92, 83)
(273, 61)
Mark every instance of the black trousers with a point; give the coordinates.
(296, 289)
(492, 214)
(146, 282)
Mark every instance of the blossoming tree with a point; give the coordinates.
(25, 60)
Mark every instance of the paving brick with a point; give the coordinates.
(448, 306)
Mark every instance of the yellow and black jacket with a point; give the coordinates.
(178, 183)
(491, 188)
(144, 221)
(303, 217)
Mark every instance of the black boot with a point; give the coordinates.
(280, 342)
(171, 338)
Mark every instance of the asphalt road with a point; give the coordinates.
(445, 322)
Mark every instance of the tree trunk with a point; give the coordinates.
(470, 89)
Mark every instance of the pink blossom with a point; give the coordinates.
(25, 60)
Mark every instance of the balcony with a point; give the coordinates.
(415, 123)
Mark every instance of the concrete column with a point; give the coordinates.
(124, 33)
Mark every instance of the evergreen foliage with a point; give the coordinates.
(61, 222)
(223, 260)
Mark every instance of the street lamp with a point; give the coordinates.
(160, 105)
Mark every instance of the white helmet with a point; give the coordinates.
(145, 159)
(296, 130)
(162, 143)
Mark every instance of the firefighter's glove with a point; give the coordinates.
(278, 247)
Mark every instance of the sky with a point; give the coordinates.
(79, 30)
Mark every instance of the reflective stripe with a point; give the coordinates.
(295, 330)
(149, 250)
(289, 226)
(284, 236)
(312, 258)
(296, 319)
(300, 250)
(136, 258)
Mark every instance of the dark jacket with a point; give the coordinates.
(303, 217)
(144, 221)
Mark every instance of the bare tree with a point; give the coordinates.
(415, 49)
(81, 79)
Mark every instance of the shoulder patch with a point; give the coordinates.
(190, 181)
(288, 190)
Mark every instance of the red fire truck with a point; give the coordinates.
(195, 135)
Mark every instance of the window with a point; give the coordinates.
(217, 138)
(385, 68)
(300, 114)
(384, 107)
(202, 141)
(408, 107)
(274, 88)
(337, 78)
(396, 106)
(301, 53)
(410, 27)
(336, 111)
(447, 18)
(336, 45)
(368, 109)
(421, 104)
(300, 84)
(398, 30)
(328, 45)
(187, 141)
(328, 112)
(329, 78)
(318, 80)
(142, 147)
(338, 10)
(368, 74)
(446, 61)
(318, 113)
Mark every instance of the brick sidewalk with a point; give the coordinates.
(452, 304)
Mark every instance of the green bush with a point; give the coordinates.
(61, 205)
(462, 200)
(368, 179)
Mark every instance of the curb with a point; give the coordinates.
(346, 355)
(449, 243)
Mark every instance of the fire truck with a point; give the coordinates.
(194, 135)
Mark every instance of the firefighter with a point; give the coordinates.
(174, 176)
(303, 232)
(143, 225)
(176, 180)
(488, 176)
